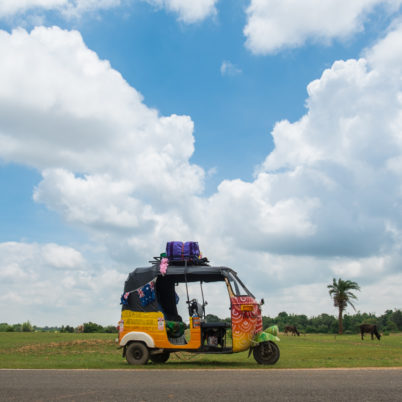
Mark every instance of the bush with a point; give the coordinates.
(26, 327)
(4, 327)
(397, 319)
(67, 328)
(90, 327)
(110, 329)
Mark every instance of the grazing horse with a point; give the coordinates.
(292, 329)
(370, 329)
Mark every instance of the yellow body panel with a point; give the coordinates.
(153, 324)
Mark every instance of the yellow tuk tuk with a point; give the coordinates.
(151, 327)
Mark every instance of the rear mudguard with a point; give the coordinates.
(139, 337)
(269, 334)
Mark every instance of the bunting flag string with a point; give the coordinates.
(146, 294)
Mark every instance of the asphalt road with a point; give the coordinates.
(207, 385)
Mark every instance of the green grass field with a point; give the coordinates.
(99, 351)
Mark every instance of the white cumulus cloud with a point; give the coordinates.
(228, 68)
(276, 24)
(62, 257)
(81, 115)
(188, 11)
(108, 161)
(75, 8)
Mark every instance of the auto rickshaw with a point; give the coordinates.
(151, 328)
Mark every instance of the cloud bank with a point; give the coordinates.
(40, 281)
(187, 11)
(69, 8)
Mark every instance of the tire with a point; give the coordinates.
(137, 353)
(266, 353)
(160, 358)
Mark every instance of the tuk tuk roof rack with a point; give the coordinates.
(186, 261)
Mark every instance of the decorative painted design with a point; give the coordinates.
(245, 324)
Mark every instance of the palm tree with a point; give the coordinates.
(340, 291)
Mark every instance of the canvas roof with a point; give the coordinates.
(177, 273)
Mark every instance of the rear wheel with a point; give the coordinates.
(137, 353)
(160, 358)
(266, 353)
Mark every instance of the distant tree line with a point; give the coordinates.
(390, 321)
(24, 327)
(88, 327)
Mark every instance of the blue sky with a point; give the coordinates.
(268, 131)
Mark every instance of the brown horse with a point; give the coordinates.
(292, 329)
(370, 329)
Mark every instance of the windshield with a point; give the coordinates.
(237, 286)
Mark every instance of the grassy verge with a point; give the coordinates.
(99, 351)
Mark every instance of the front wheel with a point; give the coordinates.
(266, 353)
(160, 358)
(137, 353)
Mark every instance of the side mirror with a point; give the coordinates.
(262, 302)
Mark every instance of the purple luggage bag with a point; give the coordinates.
(179, 251)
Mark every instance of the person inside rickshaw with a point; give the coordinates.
(167, 299)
